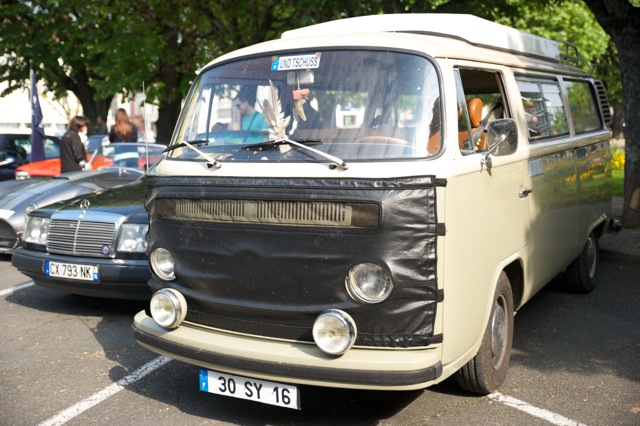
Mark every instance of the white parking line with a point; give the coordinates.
(71, 412)
(11, 290)
(541, 413)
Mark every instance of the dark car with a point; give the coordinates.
(15, 150)
(92, 245)
(112, 165)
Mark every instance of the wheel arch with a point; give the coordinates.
(515, 273)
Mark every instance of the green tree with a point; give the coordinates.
(59, 44)
(97, 49)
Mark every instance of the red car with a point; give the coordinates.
(51, 166)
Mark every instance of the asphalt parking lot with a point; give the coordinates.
(72, 360)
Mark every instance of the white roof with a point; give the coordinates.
(469, 28)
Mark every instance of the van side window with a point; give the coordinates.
(584, 109)
(545, 112)
(481, 100)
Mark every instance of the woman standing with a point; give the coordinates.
(72, 153)
(124, 130)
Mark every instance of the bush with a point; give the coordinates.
(617, 168)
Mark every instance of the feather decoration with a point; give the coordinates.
(274, 116)
(298, 110)
(300, 97)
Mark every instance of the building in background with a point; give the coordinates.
(15, 113)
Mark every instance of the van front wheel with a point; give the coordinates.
(488, 369)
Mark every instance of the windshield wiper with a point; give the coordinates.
(211, 162)
(268, 144)
(304, 145)
(185, 143)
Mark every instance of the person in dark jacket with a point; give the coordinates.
(73, 156)
(124, 130)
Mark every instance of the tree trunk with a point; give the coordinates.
(629, 66)
(618, 120)
(91, 107)
(167, 119)
(621, 21)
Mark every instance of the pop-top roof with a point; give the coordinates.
(469, 28)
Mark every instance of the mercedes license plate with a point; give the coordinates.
(252, 389)
(71, 271)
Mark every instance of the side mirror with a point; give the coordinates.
(5, 160)
(502, 137)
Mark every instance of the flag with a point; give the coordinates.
(37, 128)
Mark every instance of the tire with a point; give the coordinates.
(488, 369)
(580, 275)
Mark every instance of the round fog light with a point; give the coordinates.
(163, 264)
(168, 308)
(368, 283)
(334, 331)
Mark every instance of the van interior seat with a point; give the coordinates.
(475, 107)
(475, 112)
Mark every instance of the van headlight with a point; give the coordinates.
(168, 308)
(132, 238)
(36, 230)
(368, 283)
(334, 331)
(163, 264)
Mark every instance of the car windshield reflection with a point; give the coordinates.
(128, 155)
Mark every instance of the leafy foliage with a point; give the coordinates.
(98, 49)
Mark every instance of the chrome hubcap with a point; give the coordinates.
(591, 256)
(498, 332)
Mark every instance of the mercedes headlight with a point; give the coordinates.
(132, 238)
(36, 230)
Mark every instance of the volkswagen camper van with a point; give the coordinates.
(366, 203)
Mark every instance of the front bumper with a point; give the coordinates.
(119, 279)
(291, 361)
(8, 237)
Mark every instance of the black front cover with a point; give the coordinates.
(274, 280)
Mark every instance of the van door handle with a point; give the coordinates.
(525, 192)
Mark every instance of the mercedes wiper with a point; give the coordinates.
(303, 144)
(211, 162)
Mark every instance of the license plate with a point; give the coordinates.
(71, 271)
(251, 389)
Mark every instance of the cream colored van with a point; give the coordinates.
(365, 203)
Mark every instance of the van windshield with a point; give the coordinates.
(355, 105)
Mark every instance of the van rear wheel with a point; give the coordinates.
(580, 275)
(488, 369)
